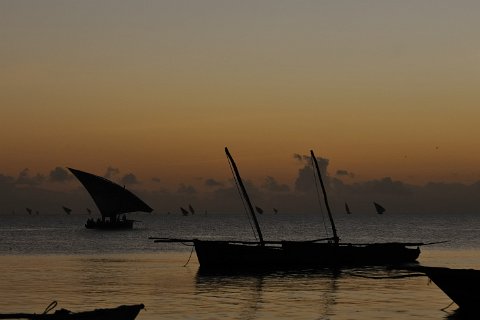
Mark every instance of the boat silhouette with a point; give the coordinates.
(460, 285)
(379, 208)
(123, 312)
(112, 200)
(280, 254)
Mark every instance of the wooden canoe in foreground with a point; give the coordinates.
(123, 312)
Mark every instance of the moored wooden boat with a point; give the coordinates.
(298, 254)
(262, 254)
(460, 285)
(123, 312)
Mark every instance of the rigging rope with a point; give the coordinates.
(50, 307)
(445, 308)
(243, 199)
(191, 252)
(318, 197)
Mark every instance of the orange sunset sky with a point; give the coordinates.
(159, 88)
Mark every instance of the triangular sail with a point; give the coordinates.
(110, 198)
(67, 210)
(184, 211)
(192, 211)
(379, 208)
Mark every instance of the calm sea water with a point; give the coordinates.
(53, 257)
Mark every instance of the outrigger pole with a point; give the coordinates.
(245, 194)
(334, 230)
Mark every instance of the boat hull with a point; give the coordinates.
(460, 285)
(124, 312)
(109, 225)
(228, 256)
(330, 254)
(296, 254)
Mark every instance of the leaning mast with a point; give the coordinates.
(245, 194)
(334, 230)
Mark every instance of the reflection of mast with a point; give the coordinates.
(329, 295)
(207, 283)
(249, 289)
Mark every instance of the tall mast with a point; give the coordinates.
(334, 230)
(245, 195)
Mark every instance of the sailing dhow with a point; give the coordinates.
(112, 201)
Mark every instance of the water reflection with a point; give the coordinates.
(259, 295)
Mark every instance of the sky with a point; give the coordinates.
(156, 89)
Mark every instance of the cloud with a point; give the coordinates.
(129, 179)
(387, 186)
(6, 180)
(7, 183)
(213, 183)
(186, 189)
(59, 174)
(24, 178)
(271, 184)
(344, 173)
(304, 181)
(111, 171)
(306, 178)
(301, 158)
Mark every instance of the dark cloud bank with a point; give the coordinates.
(35, 191)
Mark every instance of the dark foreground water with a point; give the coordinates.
(52, 257)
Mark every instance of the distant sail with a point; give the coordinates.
(67, 210)
(191, 209)
(379, 208)
(259, 210)
(110, 198)
(89, 211)
(29, 210)
(184, 211)
(347, 209)
(275, 210)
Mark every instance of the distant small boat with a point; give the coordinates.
(275, 210)
(259, 210)
(29, 210)
(460, 285)
(67, 210)
(191, 209)
(379, 208)
(123, 312)
(112, 200)
(89, 211)
(347, 209)
(184, 211)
